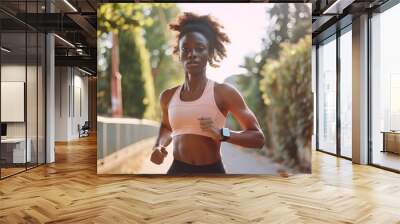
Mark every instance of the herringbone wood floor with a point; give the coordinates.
(69, 191)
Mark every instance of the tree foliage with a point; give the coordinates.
(137, 82)
(288, 24)
(103, 79)
(281, 20)
(286, 89)
(143, 41)
(119, 17)
(166, 70)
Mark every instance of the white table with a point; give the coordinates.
(18, 144)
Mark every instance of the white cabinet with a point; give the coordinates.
(18, 149)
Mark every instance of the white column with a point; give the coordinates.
(360, 90)
(50, 93)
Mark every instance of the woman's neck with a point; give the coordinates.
(193, 82)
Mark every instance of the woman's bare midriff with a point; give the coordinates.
(196, 149)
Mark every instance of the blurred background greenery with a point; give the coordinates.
(276, 84)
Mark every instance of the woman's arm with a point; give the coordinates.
(164, 132)
(164, 136)
(231, 100)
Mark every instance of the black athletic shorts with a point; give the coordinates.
(179, 167)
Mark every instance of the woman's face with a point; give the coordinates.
(193, 52)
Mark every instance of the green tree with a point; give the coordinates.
(132, 81)
(286, 88)
(130, 21)
(166, 70)
(288, 23)
(103, 80)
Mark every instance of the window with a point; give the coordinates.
(327, 95)
(346, 92)
(385, 89)
(22, 74)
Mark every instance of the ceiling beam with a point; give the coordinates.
(337, 7)
(320, 23)
(83, 23)
(82, 61)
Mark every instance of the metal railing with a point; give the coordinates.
(114, 134)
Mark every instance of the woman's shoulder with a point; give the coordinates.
(166, 95)
(225, 89)
(169, 91)
(227, 95)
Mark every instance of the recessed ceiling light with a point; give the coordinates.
(337, 7)
(86, 72)
(64, 40)
(5, 50)
(70, 5)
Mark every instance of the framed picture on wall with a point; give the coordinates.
(190, 89)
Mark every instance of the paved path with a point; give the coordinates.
(237, 160)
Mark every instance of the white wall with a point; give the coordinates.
(71, 93)
(61, 103)
(14, 73)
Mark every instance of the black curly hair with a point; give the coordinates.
(209, 27)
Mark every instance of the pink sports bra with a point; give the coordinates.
(183, 115)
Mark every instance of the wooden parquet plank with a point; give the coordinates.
(70, 191)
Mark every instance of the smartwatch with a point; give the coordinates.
(225, 134)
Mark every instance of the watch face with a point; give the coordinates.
(226, 132)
